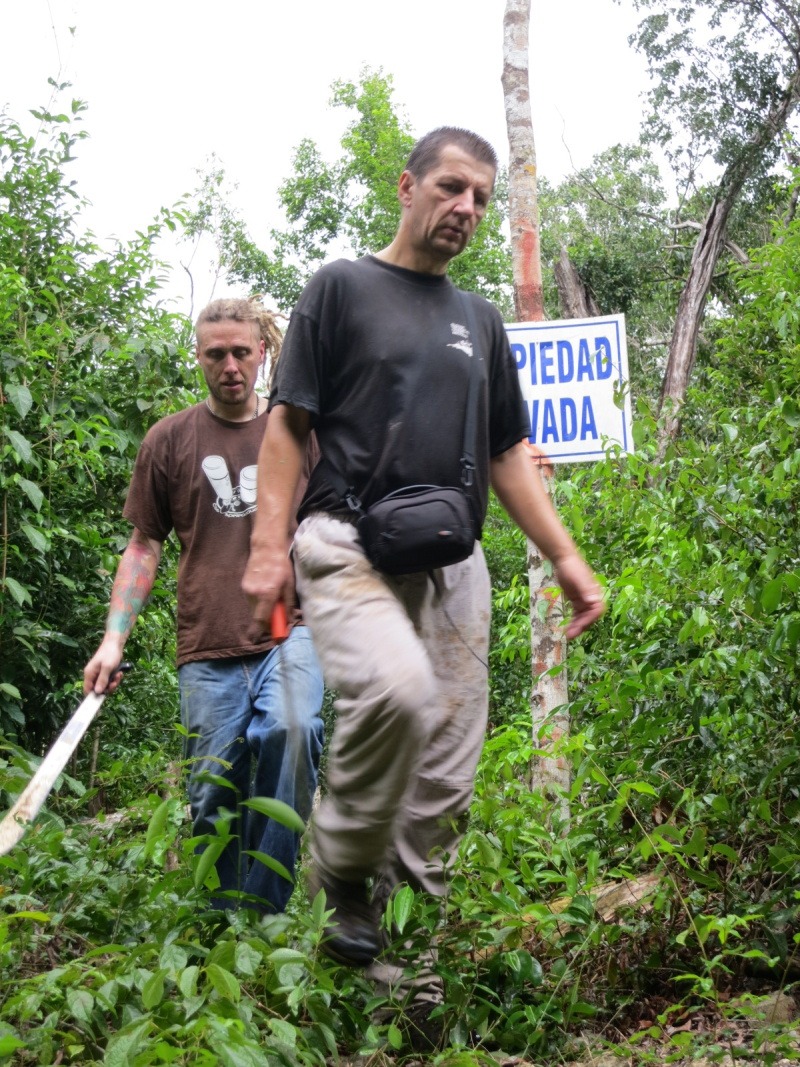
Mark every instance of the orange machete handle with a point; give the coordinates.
(278, 625)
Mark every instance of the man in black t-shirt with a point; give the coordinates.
(377, 360)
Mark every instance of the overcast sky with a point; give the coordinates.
(168, 83)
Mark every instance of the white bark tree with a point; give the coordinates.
(549, 694)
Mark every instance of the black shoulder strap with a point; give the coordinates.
(348, 493)
(471, 416)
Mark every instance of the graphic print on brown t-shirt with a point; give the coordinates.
(233, 501)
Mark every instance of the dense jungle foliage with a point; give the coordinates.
(684, 702)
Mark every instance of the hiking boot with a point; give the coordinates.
(423, 1026)
(352, 933)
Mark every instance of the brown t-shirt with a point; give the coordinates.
(196, 474)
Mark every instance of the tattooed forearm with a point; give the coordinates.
(133, 583)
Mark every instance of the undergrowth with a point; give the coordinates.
(109, 953)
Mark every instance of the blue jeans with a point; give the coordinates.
(254, 730)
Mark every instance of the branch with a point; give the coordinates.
(191, 289)
(580, 178)
(735, 250)
(790, 13)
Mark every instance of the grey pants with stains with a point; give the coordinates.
(407, 657)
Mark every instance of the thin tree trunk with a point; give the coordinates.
(547, 641)
(523, 203)
(692, 303)
(689, 316)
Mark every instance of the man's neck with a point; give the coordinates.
(237, 414)
(400, 254)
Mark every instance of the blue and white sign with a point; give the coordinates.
(574, 377)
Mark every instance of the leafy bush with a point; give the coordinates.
(88, 359)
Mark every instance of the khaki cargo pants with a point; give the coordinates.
(407, 657)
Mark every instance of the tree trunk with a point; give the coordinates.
(688, 318)
(574, 299)
(523, 203)
(692, 303)
(547, 641)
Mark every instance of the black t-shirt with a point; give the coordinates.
(380, 356)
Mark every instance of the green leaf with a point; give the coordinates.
(286, 955)
(238, 1055)
(394, 1036)
(80, 1003)
(319, 908)
(108, 994)
(402, 901)
(217, 779)
(277, 810)
(643, 787)
(173, 959)
(224, 982)
(722, 849)
(153, 991)
(155, 829)
(187, 981)
(284, 1031)
(524, 966)
(207, 858)
(771, 595)
(246, 959)
(11, 690)
(36, 537)
(9, 1044)
(19, 592)
(21, 445)
(273, 864)
(125, 1044)
(20, 397)
(32, 491)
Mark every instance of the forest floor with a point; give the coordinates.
(769, 1037)
(763, 1032)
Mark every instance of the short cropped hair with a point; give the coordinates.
(428, 149)
(250, 309)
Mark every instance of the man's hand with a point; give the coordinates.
(268, 578)
(98, 674)
(582, 590)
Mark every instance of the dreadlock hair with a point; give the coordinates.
(249, 309)
(426, 152)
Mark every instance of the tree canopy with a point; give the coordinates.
(345, 205)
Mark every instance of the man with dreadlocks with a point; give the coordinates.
(251, 710)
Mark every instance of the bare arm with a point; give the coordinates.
(268, 576)
(132, 586)
(519, 488)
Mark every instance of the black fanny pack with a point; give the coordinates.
(422, 527)
(418, 528)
